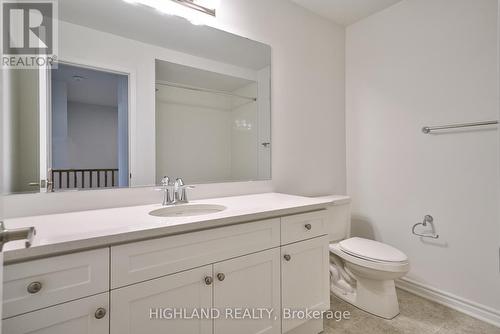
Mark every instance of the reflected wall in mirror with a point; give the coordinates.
(212, 127)
(96, 121)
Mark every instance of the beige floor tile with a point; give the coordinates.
(418, 316)
(464, 324)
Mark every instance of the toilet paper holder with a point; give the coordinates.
(428, 220)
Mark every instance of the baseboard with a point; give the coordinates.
(468, 307)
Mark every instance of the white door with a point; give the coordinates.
(146, 308)
(305, 279)
(250, 282)
(84, 316)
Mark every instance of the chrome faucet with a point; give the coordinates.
(180, 191)
(26, 233)
(174, 192)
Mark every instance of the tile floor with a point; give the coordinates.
(418, 316)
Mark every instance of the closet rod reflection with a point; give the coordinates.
(205, 90)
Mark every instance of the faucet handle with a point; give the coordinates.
(179, 183)
(180, 191)
(165, 181)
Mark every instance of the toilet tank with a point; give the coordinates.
(339, 221)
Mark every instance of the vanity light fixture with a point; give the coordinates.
(181, 7)
(205, 6)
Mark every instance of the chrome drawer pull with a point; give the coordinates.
(208, 280)
(34, 287)
(100, 313)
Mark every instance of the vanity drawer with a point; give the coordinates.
(33, 285)
(303, 226)
(141, 261)
(76, 317)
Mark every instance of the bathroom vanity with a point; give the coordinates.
(122, 270)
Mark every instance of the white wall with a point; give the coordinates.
(307, 98)
(245, 141)
(193, 141)
(61, 150)
(93, 134)
(428, 62)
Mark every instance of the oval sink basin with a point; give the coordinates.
(188, 210)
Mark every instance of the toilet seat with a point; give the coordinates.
(388, 266)
(372, 250)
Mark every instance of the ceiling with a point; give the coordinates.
(345, 12)
(93, 87)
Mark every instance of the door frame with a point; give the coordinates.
(44, 125)
(102, 67)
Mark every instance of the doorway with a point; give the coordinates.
(89, 145)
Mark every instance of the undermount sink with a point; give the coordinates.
(188, 210)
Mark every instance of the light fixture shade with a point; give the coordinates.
(182, 8)
(205, 6)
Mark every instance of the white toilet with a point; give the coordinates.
(363, 271)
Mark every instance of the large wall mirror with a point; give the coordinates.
(137, 95)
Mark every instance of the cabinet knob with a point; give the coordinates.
(208, 280)
(34, 287)
(308, 227)
(100, 313)
(287, 257)
(221, 277)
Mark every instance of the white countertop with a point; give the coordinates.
(76, 231)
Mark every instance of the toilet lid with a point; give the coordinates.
(372, 250)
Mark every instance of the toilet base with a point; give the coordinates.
(377, 297)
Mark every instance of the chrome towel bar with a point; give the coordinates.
(430, 129)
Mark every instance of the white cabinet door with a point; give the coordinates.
(84, 316)
(250, 283)
(146, 308)
(305, 279)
